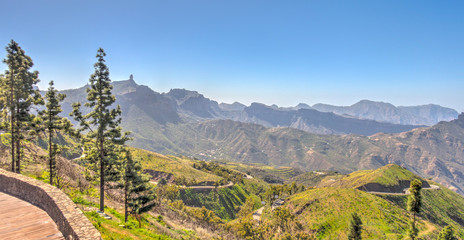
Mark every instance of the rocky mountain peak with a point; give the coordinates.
(236, 106)
(303, 106)
(182, 95)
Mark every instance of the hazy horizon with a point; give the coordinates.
(270, 52)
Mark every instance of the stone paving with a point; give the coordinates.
(70, 221)
(22, 220)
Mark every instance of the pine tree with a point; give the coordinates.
(414, 206)
(293, 188)
(447, 233)
(355, 227)
(101, 124)
(52, 122)
(138, 192)
(18, 96)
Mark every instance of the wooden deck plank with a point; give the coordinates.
(22, 220)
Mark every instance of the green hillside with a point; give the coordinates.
(270, 174)
(316, 178)
(321, 212)
(441, 207)
(177, 166)
(325, 212)
(173, 218)
(389, 175)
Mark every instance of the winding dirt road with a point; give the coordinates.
(405, 191)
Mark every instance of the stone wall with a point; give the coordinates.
(69, 219)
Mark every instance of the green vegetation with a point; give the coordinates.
(355, 227)
(53, 123)
(282, 191)
(389, 175)
(269, 174)
(316, 178)
(138, 192)
(324, 213)
(441, 207)
(17, 97)
(225, 202)
(101, 125)
(414, 206)
(112, 229)
(214, 168)
(447, 233)
(177, 166)
(327, 212)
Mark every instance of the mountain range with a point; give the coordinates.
(183, 122)
(180, 105)
(385, 112)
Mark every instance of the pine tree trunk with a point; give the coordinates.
(13, 143)
(414, 225)
(125, 201)
(18, 155)
(102, 176)
(18, 143)
(12, 123)
(50, 154)
(100, 139)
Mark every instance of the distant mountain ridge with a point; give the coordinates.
(314, 121)
(180, 105)
(193, 105)
(385, 112)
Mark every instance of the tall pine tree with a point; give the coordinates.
(138, 193)
(101, 124)
(414, 206)
(18, 96)
(52, 123)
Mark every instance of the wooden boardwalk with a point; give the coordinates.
(20, 220)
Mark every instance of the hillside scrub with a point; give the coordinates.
(327, 212)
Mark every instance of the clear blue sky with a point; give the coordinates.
(274, 52)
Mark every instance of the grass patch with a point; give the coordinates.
(111, 229)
